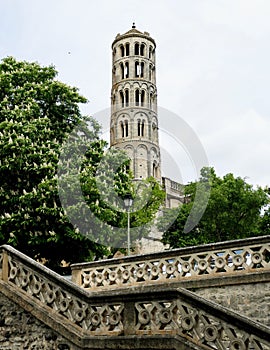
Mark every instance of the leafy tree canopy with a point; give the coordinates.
(234, 210)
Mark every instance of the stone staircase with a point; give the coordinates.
(141, 302)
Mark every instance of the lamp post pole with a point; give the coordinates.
(128, 232)
(128, 201)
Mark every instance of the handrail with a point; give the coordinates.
(210, 260)
(145, 312)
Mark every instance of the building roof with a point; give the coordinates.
(133, 32)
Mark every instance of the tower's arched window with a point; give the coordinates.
(127, 97)
(142, 69)
(137, 97)
(126, 127)
(142, 97)
(137, 69)
(122, 129)
(126, 70)
(151, 100)
(113, 99)
(122, 70)
(139, 127)
(122, 98)
(150, 72)
(154, 132)
(154, 169)
(150, 51)
(122, 50)
(127, 49)
(137, 49)
(142, 49)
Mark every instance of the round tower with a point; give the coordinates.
(134, 121)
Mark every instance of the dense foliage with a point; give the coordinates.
(235, 209)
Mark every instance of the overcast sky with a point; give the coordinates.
(213, 59)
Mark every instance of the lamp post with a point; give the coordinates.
(128, 201)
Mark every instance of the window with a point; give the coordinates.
(122, 98)
(137, 49)
(122, 50)
(127, 97)
(122, 129)
(127, 49)
(150, 72)
(142, 68)
(122, 70)
(154, 169)
(150, 51)
(139, 127)
(142, 97)
(137, 69)
(126, 127)
(142, 50)
(151, 100)
(137, 97)
(126, 70)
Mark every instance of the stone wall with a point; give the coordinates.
(251, 300)
(19, 330)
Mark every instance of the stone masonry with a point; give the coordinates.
(251, 300)
(20, 330)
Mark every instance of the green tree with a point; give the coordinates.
(265, 219)
(234, 210)
(37, 112)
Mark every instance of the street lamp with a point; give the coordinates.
(128, 201)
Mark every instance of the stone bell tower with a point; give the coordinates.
(134, 121)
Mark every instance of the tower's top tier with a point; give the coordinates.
(131, 33)
(133, 60)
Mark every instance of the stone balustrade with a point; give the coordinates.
(168, 317)
(211, 260)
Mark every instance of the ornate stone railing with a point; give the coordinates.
(227, 258)
(60, 295)
(133, 317)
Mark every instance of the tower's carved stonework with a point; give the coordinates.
(134, 121)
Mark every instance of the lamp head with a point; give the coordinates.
(128, 200)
